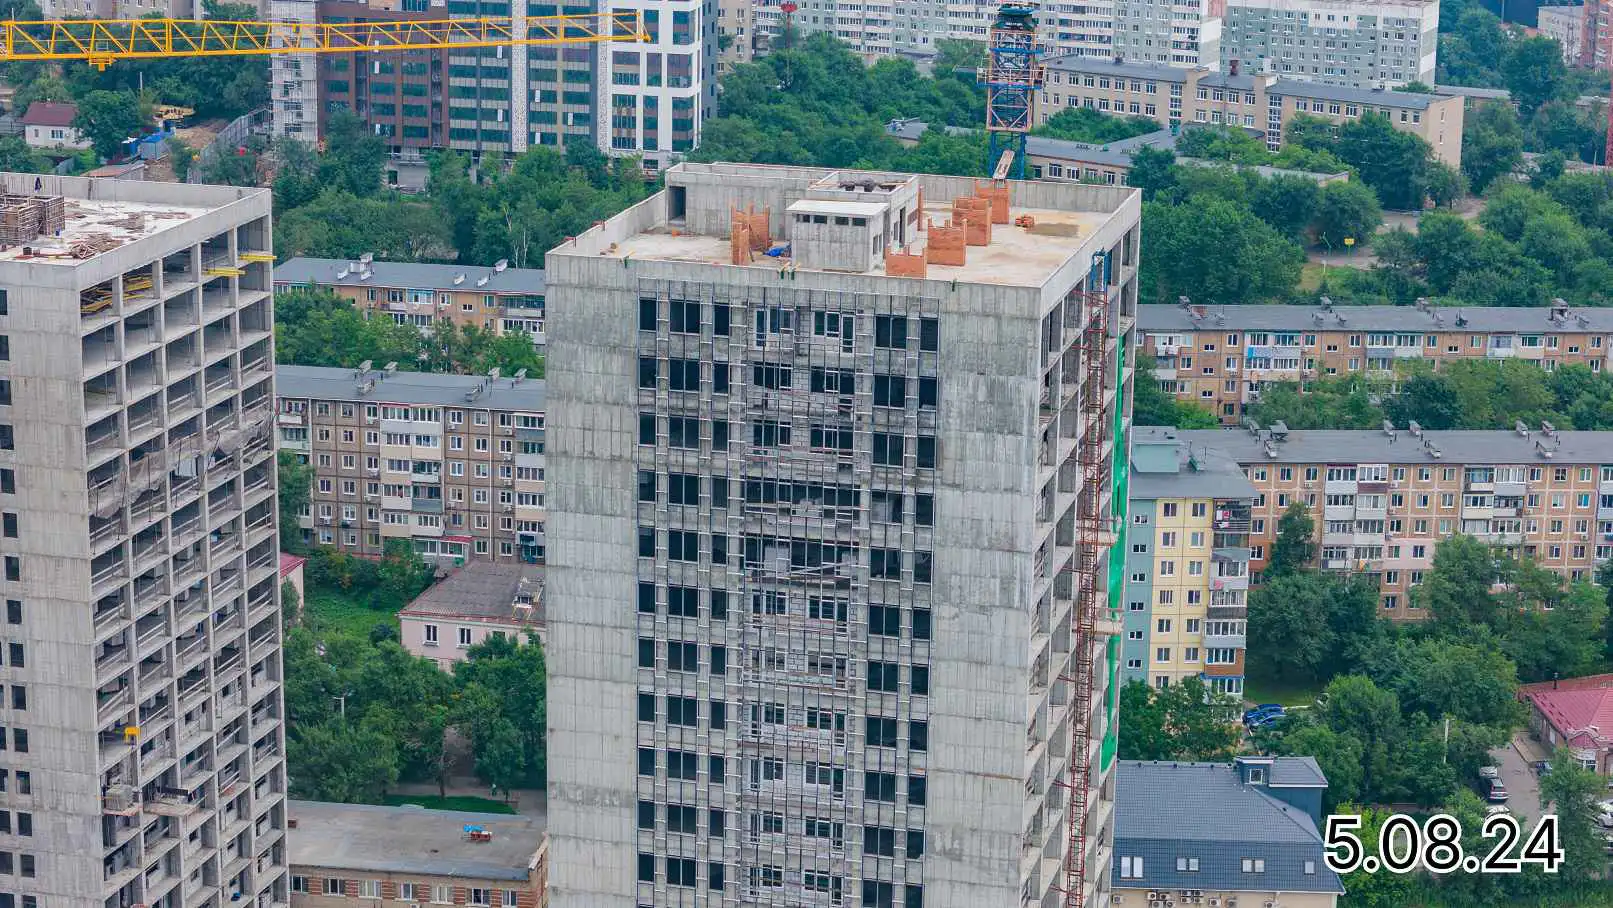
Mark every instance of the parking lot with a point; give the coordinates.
(1523, 789)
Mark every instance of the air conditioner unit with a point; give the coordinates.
(369, 420)
(1269, 903)
(507, 456)
(1214, 902)
(506, 430)
(1155, 895)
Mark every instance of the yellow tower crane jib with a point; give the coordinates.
(102, 42)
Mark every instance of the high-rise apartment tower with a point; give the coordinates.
(837, 471)
(143, 713)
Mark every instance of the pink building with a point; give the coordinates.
(470, 605)
(1576, 713)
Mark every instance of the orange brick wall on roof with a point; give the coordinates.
(905, 264)
(947, 244)
(997, 195)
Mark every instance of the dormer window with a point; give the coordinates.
(1257, 775)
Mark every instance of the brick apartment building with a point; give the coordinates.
(1223, 357)
(1384, 499)
(1260, 102)
(498, 299)
(405, 856)
(452, 462)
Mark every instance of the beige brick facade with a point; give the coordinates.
(1261, 103)
(431, 458)
(1382, 503)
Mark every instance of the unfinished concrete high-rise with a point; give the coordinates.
(837, 473)
(143, 757)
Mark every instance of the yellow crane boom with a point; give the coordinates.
(101, 42)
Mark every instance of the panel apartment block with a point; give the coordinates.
(1223, 358)
(1383, 500)
(1260, 102)
(453, 463)
(1372, 44)
(137, 483)
(816, 551)
(499, 299)
(1187, 563)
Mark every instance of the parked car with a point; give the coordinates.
(1495, 792)
(1489, 772)
(1494, 809)
(1264, 714)
(1254, 711)
(1541, 767)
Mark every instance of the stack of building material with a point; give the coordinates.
(53, 215)
(19, 219)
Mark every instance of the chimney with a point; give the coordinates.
(1232, 66)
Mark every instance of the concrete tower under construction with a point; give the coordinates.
(837, 475)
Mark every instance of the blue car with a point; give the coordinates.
(1264, 714)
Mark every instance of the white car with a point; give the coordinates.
(1494, 809)
(1489, 772)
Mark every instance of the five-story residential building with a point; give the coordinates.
(1187, 563)
(1383, 500)
(453, 463)
(499, 299)
(1224, 357)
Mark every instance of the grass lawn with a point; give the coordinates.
(453, 802)
(1265, 692)
(1310, 277)
(330, 609)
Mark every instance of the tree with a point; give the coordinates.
(1152, 406)
(290, 605)
(1427, 400)
(181, 155)
(1339, 756)
(1466, 679)
(1457, 590)
(354, 156)
(500, 760)
(340, 761)
(294, 491)
(1182, 721)
(1444, 184)
(1571, 791)
(108, 118)
(1534, 72)
(1295, 546)
(1392, 162)
(956, 54)
(402, 575)
(1307, 626)
(514, 675)
(1346, 210)
(1345, 402)
(1358, 707)
(1288, 203)
(1088, 124)
(1153, 170)
(297, 180)
(1492, 144)
(1216, 252)
(1604, 579)
(1375, 890)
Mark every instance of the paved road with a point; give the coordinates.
(1522, 786)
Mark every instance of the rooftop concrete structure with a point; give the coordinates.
(373, 838)
(137, 482)
(814, 550)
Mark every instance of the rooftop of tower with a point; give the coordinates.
(55, 220)
(786, 219)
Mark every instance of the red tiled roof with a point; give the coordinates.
(50, 113)
(1580, 708)
(289, 563)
